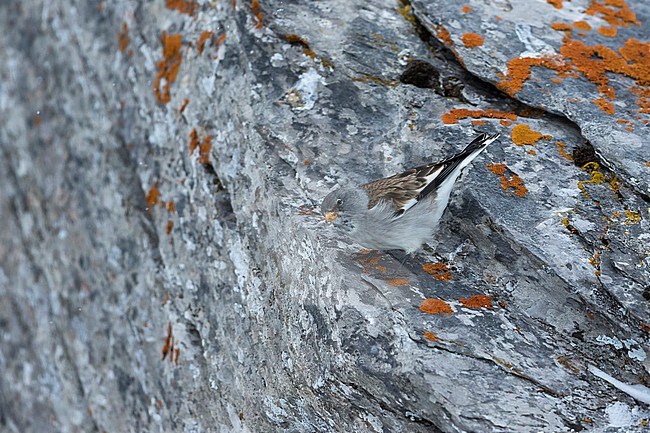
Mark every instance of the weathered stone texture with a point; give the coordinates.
(162, 266)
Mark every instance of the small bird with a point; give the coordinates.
(400, 211)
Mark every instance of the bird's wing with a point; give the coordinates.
(402, 190)
(406, 189)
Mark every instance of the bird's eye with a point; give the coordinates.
(339, 201)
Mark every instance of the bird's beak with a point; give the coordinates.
(331, 216)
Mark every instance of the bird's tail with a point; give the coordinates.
(478, 144)
(456, 163)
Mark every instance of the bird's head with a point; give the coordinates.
(342, 205)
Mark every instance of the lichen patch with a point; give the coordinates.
(522, 135)
(439, 271)
(477, 302)
(509, 183)
(168, 67)
(435, 306)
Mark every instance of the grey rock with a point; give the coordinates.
(247, 313)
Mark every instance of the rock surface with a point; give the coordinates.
(163, 269)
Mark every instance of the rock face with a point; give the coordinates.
(163, 268)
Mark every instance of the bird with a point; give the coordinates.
(400, 212)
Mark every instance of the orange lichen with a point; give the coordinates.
(168, 67)
(635, 54)
(435, 306)
(171, 207)
(557, 4)
(478, 122)
(123, 38)
(169, 343)
(37, 121)
(581, 25)
(182, 6)
(519, 70)
(514, 183)
(396, 282)
(563, 27)
(522, 135)
(170, 225)
(462, 113)
(643, 101)
(202, 39)
(443, 34)
(615, 12)
(203, 145)
(561, 149)
(369, 259)
(183, 105)
(604, 105)
(610, 32)
(593, 62)
(431, 336)
(439, 271)
(477, 301)
(505, 122)
(298, 40)
(472, 40)
(466, 9)
(153, 196)
(258, 17)
(647, 164)
(596, 262)
(221, 40)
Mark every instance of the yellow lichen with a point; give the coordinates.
(632, 217)
(596, 262)
(593, 168)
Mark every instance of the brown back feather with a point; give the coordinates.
(399, 189)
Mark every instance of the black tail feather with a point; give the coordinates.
(450, 164)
